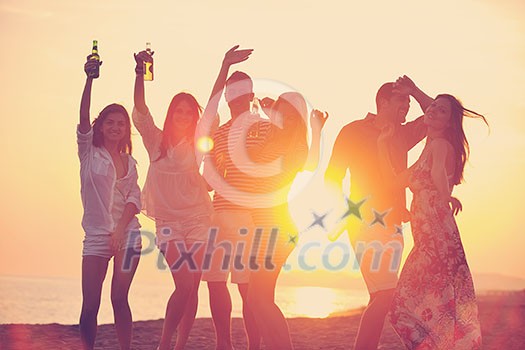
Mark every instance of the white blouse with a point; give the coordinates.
(174, 188)
(98, 181)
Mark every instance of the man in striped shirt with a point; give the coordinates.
(232, 174)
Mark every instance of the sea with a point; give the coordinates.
(58, 300)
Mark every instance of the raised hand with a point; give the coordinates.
(318, 119)
(231, 57)
(142, 56)
(404, 85)
(91, 65)
(234, 55)
(266, 104)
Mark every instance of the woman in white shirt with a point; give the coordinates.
(111, 199)
(175, 195)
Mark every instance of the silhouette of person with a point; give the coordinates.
(285, 149)
(379, 208)
(434, 305)
(175, 195)
(111, 200)
(231, 202)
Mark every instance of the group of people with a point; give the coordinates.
(250, 166)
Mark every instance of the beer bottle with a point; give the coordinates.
(94, 73)
(148, 65)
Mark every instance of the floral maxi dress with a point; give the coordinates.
(434, 306)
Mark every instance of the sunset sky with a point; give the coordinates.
(336, 53)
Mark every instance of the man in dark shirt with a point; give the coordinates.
(376, 209)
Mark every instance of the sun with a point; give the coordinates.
(313, 302)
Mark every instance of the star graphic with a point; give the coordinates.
(292, 239)
(353, 209)
(399, 230)
(379, 218)
(318, 220)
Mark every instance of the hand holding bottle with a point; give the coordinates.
(91, 67)
(93, 70)
(148, 65)
(141, 58)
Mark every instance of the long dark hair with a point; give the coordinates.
(98, 138)
(169, 136)
(457, 136)
(294, 127)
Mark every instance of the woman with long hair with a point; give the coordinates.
(434, 306)
(282, 155)
(111, 199)
(175, 195)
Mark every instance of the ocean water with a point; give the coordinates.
(50, 300)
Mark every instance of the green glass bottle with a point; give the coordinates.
(95, 72)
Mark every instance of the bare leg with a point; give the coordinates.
(250, 324)
(270, 320)
(183, 278)
(373, 319)
(123, 272)
(221, 309)
(93, 273)
(186, 323)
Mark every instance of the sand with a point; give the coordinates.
(502, 321)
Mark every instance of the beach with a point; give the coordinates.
(502, 317)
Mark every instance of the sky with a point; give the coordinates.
(336, 53)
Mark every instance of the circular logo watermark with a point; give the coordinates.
(252, 159)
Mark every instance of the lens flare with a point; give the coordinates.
(205, 144)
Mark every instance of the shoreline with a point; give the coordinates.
(502, 323)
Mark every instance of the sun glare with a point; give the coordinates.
(205, 144)
(313, 302)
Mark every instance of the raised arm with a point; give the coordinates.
(209, 121)
(405, 85)
(85, 102)
(338, 164)
(317, 121)
(141, 116)
(231, 57)
(139, 95)
(414, 131)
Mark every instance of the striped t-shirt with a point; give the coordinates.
(238, 171)
(287, 154)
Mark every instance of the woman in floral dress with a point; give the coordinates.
(434, 306)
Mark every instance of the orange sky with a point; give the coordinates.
(337, 54)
